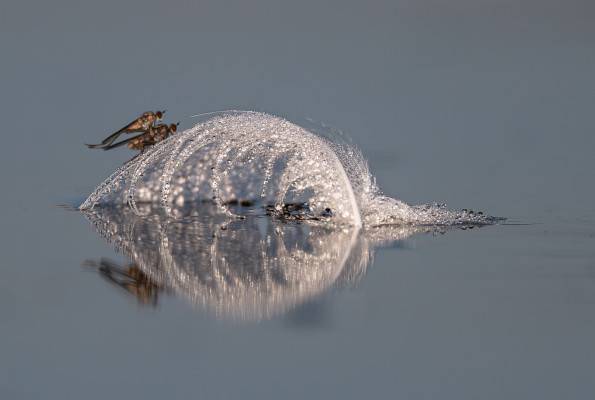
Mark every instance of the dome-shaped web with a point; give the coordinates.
(262, 160)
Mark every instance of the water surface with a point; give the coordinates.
(483, 105)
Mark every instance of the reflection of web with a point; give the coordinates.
(246, 269)
(249, 269)
(249, 156)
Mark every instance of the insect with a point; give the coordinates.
(150, 137)
(142, 124)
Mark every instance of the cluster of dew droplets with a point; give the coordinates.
(268, 161)
(112, 183)
(221, 155)
(186, 144)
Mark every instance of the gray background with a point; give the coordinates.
(485, 104)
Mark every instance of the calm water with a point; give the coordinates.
(484, 105)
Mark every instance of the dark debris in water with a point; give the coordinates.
(240, 202)
(297, 212)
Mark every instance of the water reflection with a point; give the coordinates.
(247, 269)
(129, 278)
